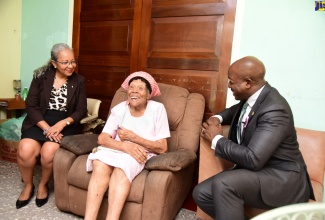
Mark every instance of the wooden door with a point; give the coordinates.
(181, 42)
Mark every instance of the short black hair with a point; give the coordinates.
(143, 80)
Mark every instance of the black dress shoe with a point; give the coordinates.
(22, 203)
(41, 202)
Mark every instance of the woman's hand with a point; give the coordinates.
(54, 132)
(126, 135)
(136, 151)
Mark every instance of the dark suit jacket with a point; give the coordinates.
(268, 147)
(39, 96)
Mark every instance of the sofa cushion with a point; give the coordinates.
(80, 144)
(171, 161)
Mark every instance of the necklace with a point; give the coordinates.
(58, 83)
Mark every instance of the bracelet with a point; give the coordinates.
(44, 132)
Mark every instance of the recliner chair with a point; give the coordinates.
(159, 191)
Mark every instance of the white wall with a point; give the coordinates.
(288, 36)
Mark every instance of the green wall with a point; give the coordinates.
(44, 23)
(288, 36)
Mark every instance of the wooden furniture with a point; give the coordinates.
(311, 145)
(185, 43)
(159, 191)
(12, 104)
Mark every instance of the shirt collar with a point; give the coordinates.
(252, 99)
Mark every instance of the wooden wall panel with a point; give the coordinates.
(105, 36)
(203, 82)
(101, 5)
(191, 43)
(105, 43)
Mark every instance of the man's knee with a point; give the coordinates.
(196, 193)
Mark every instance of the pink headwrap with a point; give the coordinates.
(154, 85)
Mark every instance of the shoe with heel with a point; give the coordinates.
(22, 203)
(41, 202)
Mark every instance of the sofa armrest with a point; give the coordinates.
(63, 160)
(80, 144)
(171, 161)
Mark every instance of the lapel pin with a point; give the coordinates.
(253, 113)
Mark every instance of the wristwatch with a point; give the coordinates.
(68, 122)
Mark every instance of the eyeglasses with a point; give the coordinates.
(66, 63)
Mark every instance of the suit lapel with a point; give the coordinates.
(266, 90)
(72, 85)
(48, 85)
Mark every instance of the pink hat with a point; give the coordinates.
(154, 85)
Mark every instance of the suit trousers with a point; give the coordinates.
(223, 196)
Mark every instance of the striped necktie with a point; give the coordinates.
(239, 124)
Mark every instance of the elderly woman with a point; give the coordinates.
(55, 104)
(136, 130)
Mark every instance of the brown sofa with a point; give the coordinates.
(311, 144)
(160, 189)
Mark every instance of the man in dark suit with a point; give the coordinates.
(270, 170)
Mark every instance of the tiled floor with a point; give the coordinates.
(10, 188)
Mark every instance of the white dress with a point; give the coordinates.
(152, 125)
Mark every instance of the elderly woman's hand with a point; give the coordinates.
(136, 151)
(126, 135)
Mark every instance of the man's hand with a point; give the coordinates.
(211, 128)
(211, 121)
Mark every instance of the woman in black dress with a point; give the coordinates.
(55, 104)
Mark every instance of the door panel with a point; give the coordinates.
(105, 43)
(191, 43)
